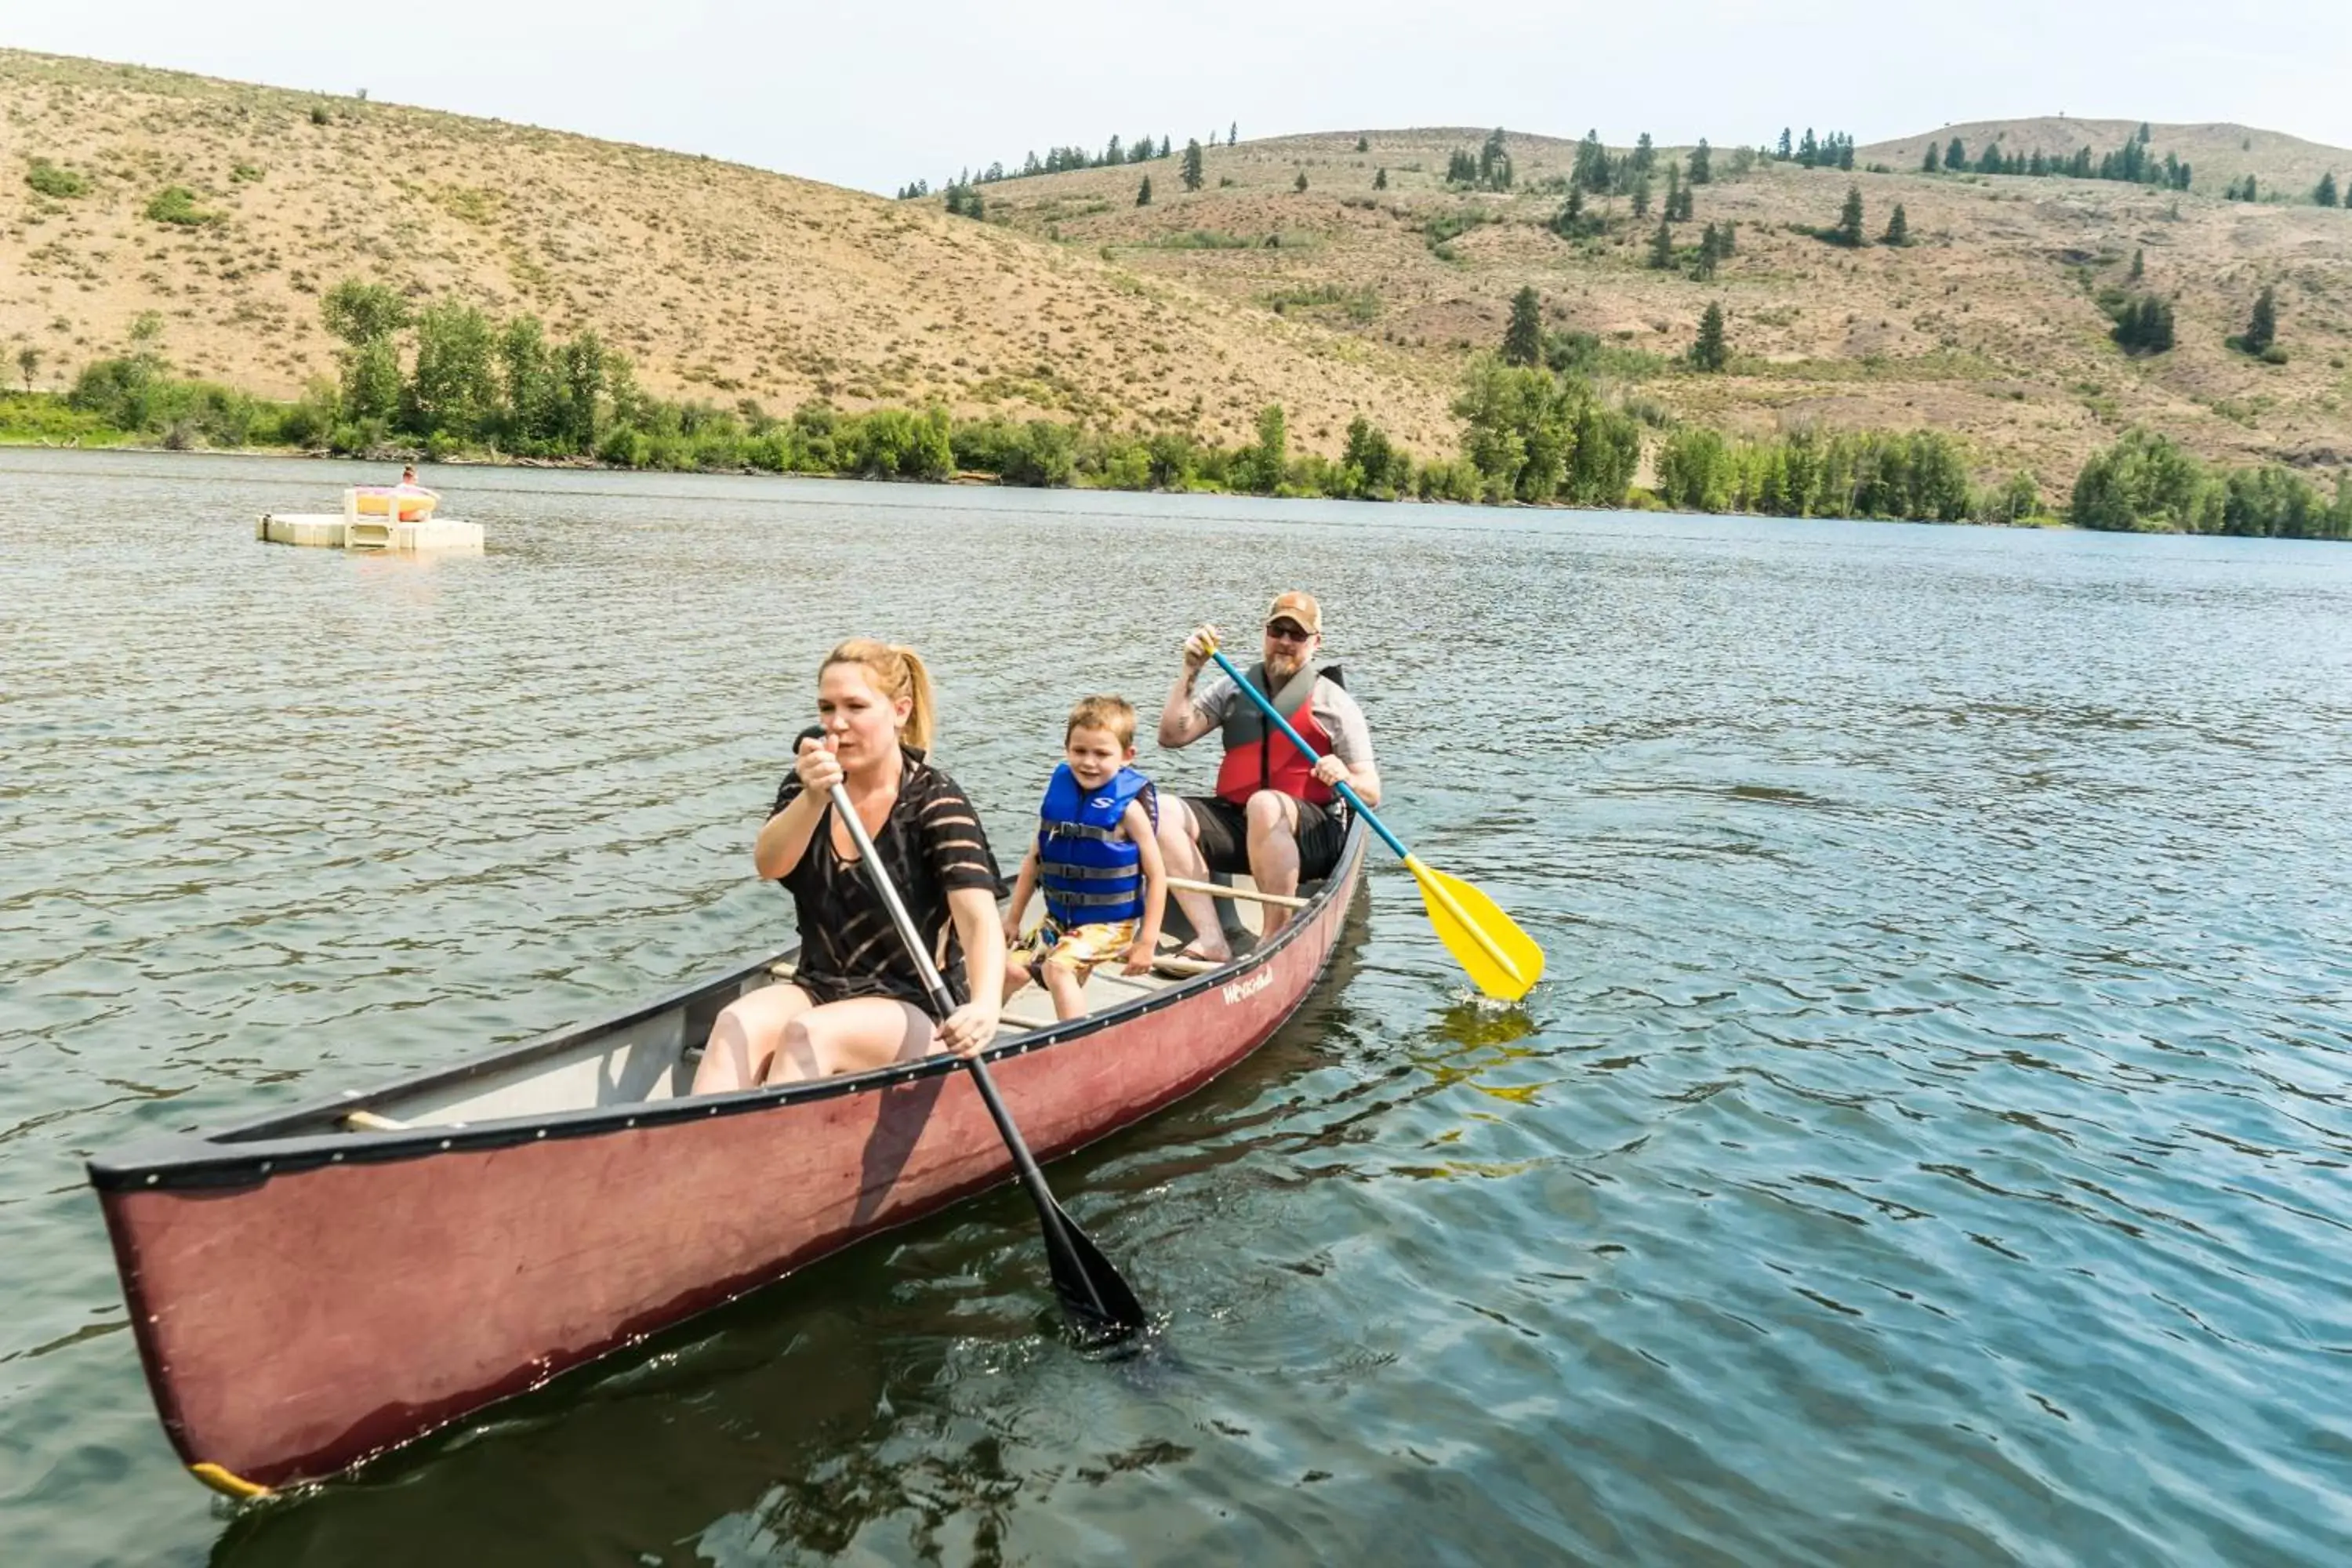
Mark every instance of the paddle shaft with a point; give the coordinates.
(1049, 1212)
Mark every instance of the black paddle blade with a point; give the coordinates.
(1097, 1300)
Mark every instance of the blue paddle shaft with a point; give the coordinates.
(1266, 706)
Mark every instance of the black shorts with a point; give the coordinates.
(1225, 837)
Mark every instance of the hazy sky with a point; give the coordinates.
(877, 95)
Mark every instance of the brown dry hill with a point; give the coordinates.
(1986, 325)
(727, 282)
(721, 281)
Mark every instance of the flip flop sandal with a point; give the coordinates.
(1184, 962)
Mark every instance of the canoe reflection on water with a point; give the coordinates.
(314, 1288)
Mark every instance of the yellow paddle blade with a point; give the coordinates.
(1502, 960)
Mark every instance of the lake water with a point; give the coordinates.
(1929, 1145)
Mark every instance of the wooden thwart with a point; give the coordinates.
(1219, 891)
(369, 1121)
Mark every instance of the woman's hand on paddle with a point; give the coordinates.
(1197, 646)
(818, 768)
(969, 1027)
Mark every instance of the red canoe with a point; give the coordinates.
(313, 1289)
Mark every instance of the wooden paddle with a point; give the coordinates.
(1502, 960)
(1096, 1300)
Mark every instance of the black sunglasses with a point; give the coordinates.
(1288, 631)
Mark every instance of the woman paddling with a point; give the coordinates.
(856, 1001)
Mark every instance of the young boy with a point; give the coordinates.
(1097, 857)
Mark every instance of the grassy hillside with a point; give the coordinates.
(1986, 324)
(228, 210)
(721, 281)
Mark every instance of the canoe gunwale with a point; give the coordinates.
(250, 1153)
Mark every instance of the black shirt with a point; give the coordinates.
(932, 844)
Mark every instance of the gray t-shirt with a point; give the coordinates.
(1351, 739)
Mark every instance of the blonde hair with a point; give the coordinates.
(1114, 714)
(895, 673)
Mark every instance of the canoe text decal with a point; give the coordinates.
(1242, 990)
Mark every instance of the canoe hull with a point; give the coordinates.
(296, 1320)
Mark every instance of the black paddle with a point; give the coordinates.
(1096, 1300)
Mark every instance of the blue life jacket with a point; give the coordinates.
(1091, 874)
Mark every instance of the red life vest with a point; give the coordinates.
(1258, 756)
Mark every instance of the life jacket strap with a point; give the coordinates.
(1079, 830)
(1088, 900)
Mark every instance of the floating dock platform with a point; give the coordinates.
(396, 517)
(335, 532)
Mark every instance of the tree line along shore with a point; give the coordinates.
(449, 381)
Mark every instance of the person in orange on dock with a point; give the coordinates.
(1274, 814)
(856, 1000)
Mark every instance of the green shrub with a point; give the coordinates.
(1044, 456)
(53, 180)
(177, 205)
(1451, 479)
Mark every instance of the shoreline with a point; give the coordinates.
(1642, 502)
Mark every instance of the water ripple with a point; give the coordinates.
(1930, 1143)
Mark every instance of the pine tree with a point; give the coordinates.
(1700, 169)
(1845, 153)
(1570, 220)
(2138, 265)
(2326, 194)
(1661, 246)
(1143, 193)
(2143, 133)
(1380, 179)
(1523, 339)
(1934, 160)
(1194, 170)
(1710, 252)
(1591, 170)
(1709, 353)
(1955, 156)
(2261, 329)
(1363, 144)
(1495, 163)
(1233, 133)
(1848, 228)
(1300, 183)
(1645, 154)
(1809, 152)
(1898, 229)
(1784, 154)
(1642, 195)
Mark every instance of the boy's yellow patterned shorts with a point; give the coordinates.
(1079, 949)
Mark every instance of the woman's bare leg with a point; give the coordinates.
(743, 1041)
(856, 1035)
